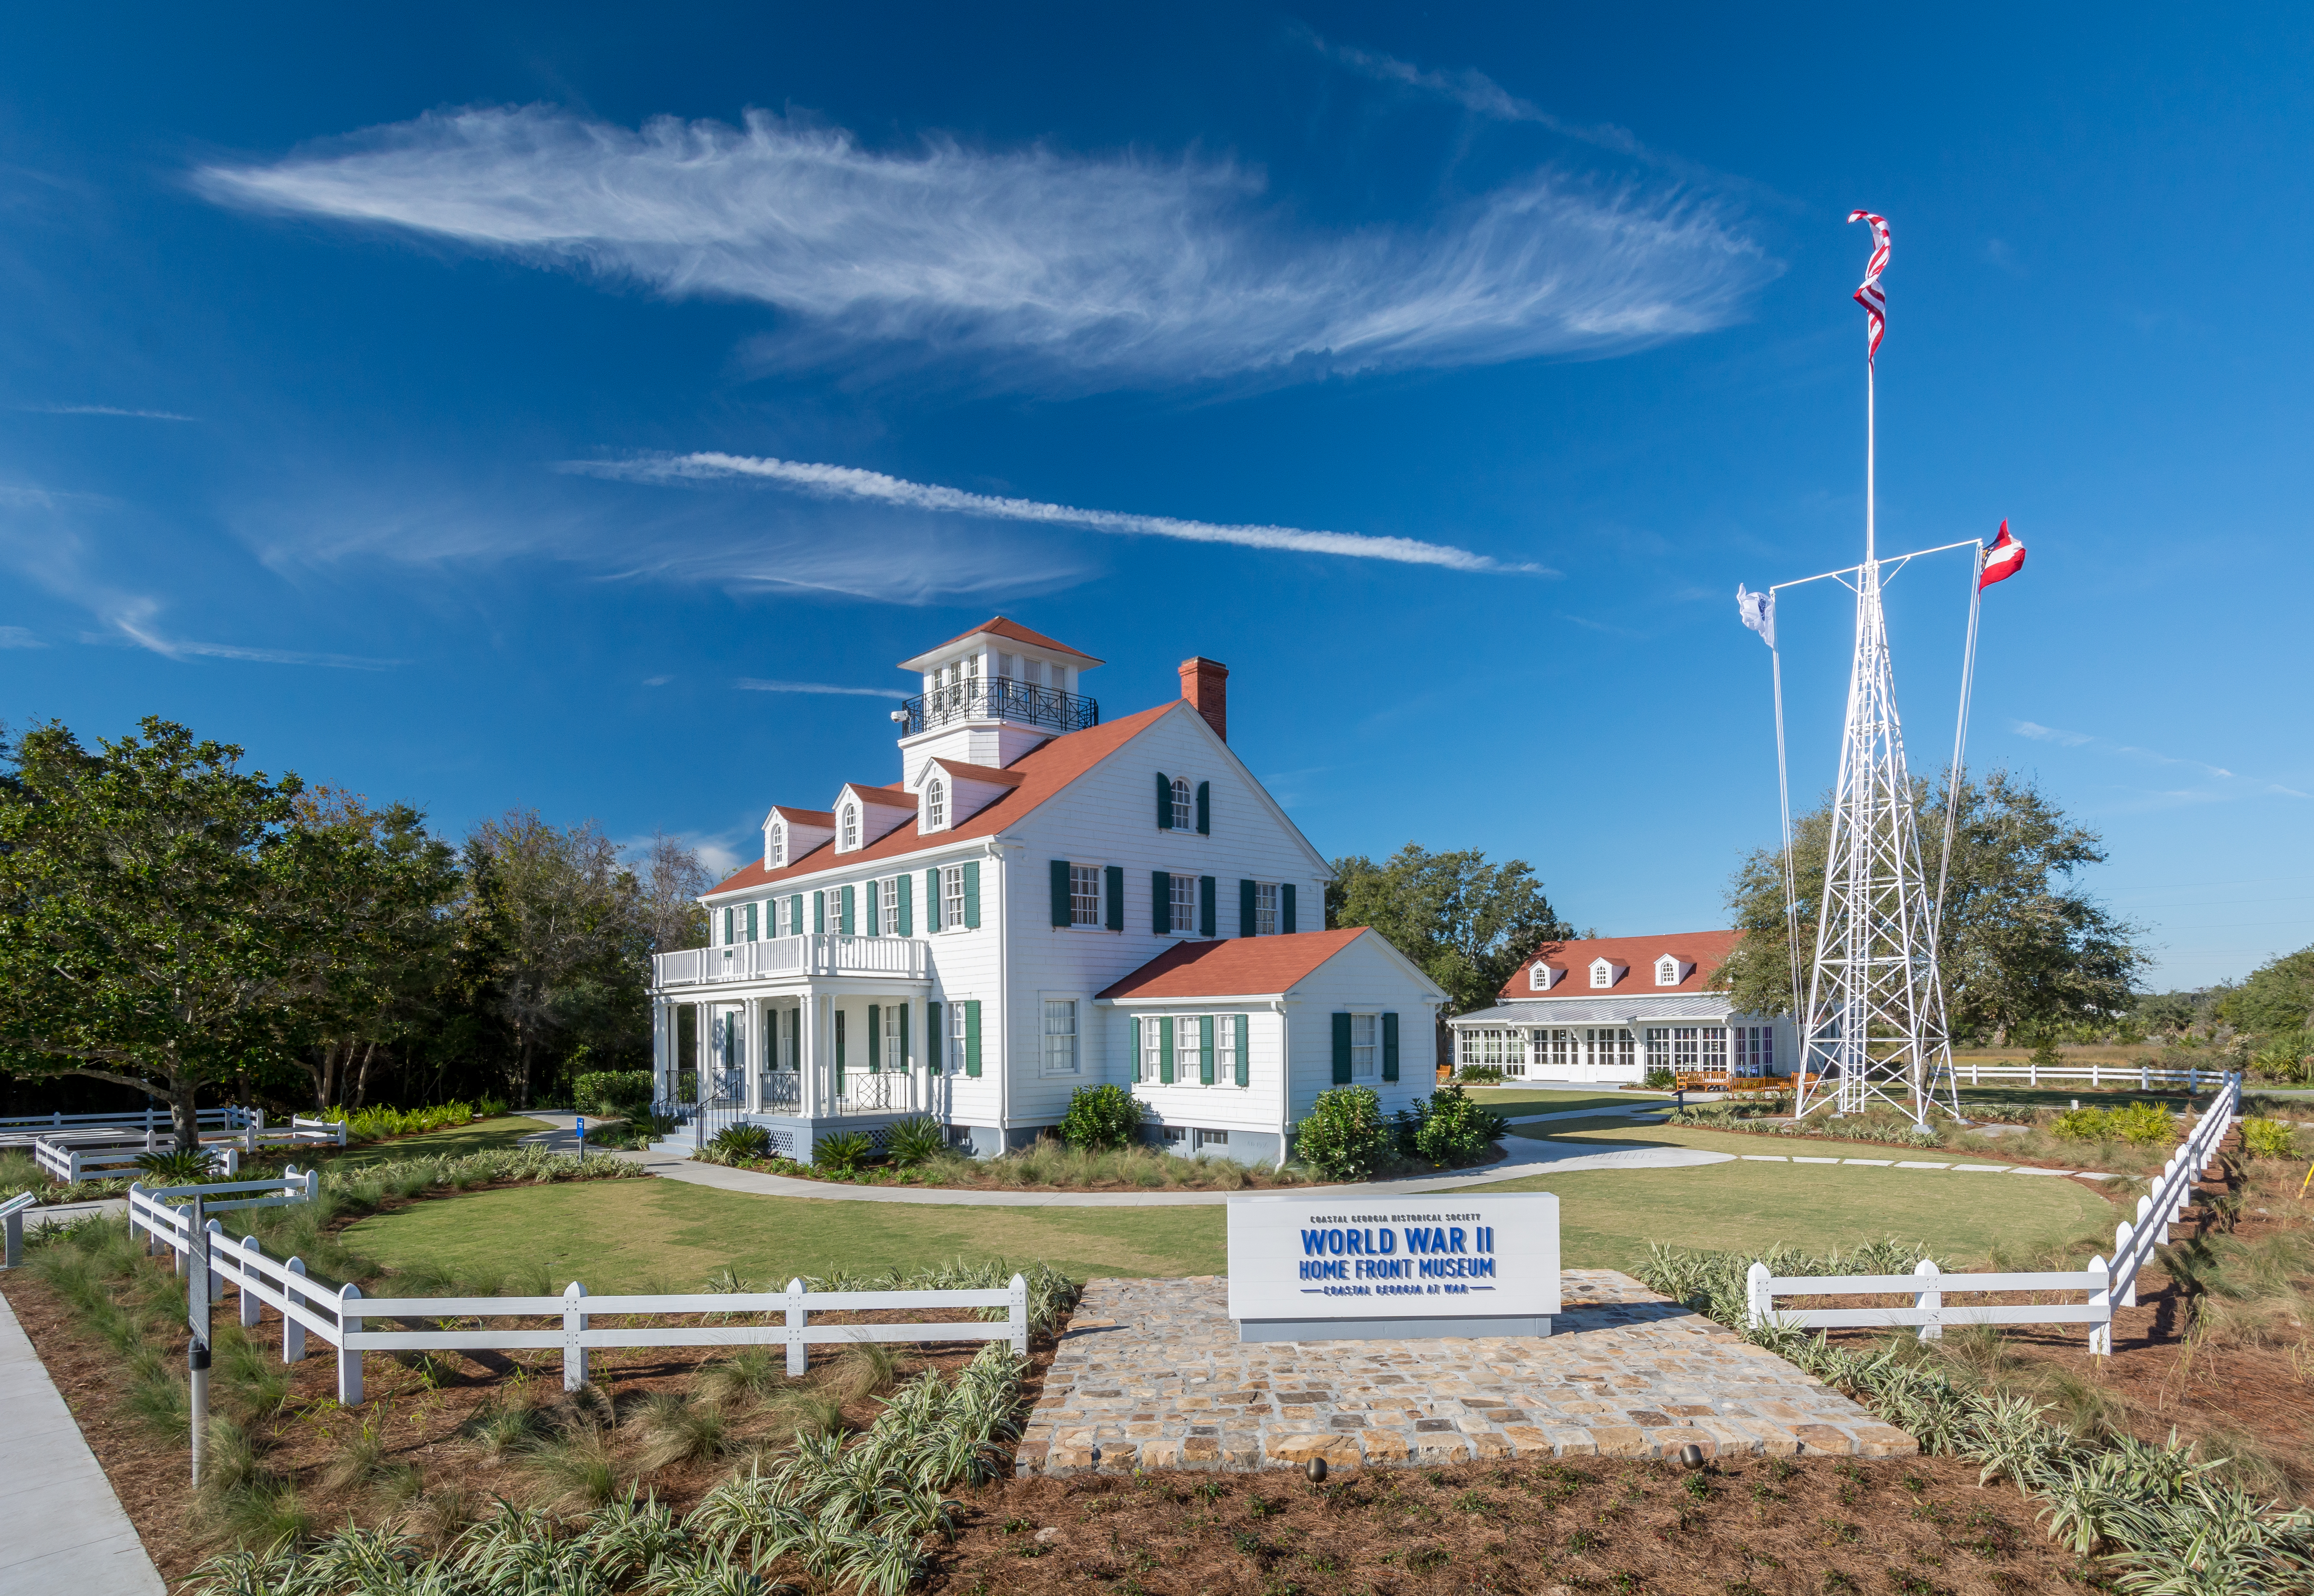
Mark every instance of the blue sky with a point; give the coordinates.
(422, 398)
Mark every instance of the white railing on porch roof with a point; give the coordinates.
(818, 954)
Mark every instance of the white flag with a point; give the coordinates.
(1759, 612)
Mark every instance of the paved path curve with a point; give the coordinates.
(65, 1530)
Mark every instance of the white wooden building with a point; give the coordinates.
(1043, 900)
(1612, 1009)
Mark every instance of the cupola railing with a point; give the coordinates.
(999, 698)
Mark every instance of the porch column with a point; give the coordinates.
(757, 1051)
(808, 1059)
(662, 1054)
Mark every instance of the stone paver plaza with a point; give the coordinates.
(1151, 1373)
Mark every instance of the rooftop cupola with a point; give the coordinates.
(991, 695)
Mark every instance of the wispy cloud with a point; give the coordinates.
(133, 622)
(18, 637)
(103, 409)
(1076, 267)
(850, 482)
(2248, 786)
(757, 684)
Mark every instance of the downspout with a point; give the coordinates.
(1285, 1080)
(993, 851)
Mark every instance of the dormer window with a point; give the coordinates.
(851, 831)
(1666, 970)
(1542, 977)
(775, 847)
(936, 804)
(1602, 974)
(1184, 805)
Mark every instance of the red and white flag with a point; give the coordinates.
(1875, 302)
(2001, 562)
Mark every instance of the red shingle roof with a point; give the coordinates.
(1045, 769)
(1239, 966)
(995, 775)
(882, 796)
(1705, 951)
(821, 817)
(998, 626)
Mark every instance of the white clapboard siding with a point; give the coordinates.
(2107, 1286)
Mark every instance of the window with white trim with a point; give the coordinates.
(1224, 1050)
(1755, 1049)
(775, 846)
(1715, 1050)
(1084, 895)
(1265, 908)
(886, 903)
(850, 826)
(1151, 1051)
(1540, 977)
(1173, 1136)
(1602, 974)
(1556, 1051)
(1487, 1048)
(1184, 813)
(953, 897)
(1609, 1048)
(936, 804)
(1365, 1033)
(1666, 970)
(1189, 1050)
(893, 1057)
(1185, 904)
(1213, 1138)
(956, 1036)
(1060, 1035)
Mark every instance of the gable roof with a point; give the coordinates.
(882, 796)
(1236, 967)
(1045, 771)
(821, 817)
(993, 775)
(1705, 951)
(1000, 627)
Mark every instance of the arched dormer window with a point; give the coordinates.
(1602, 974)
(851, 826)
(936, 804)
(775, 846)
(1542, 978)
(1185, 816)
(1666, 970)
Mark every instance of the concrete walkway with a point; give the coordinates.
(65, 1529)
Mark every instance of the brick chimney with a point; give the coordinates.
(1204, 682)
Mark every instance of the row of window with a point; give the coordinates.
(1193, 1050)
(1670, 971)
(1092, 896)
(1706, 1050)
(881, 906)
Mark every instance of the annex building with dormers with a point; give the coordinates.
(1617, 1009)
(1045, 899)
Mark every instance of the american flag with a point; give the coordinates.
(1875, 302)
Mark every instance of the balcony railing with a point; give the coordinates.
(820, 954)
(999, 698)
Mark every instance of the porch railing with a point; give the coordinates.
(824, 953)
(999, 698)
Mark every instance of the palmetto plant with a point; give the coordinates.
(176, 1168)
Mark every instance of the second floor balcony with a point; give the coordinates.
(999, 698)
(821, 953)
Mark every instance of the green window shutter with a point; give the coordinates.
(1286, 908)
(972, 1036)
(1390, 1046)
(1061, 915)
(1244, 1064)
(1165, 1050)
(875, 1038)
(1205, 920)
(1205, 808)
(931, 899)
(1164, 802)
(870, 922)
(1341, 1050)
(751, 922)
(901, 1063)
(1245, 921)
(839, 1053)
(907, 884)
(845, 924)
(972, 902)
(933, 1037)
(1114, 881)
(1161, 902)
(727, 937)
(819, 912)
(795, 914)
(1205, 1050)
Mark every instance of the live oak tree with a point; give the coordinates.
(1467, 923)
(2022, 945)
(157, 926)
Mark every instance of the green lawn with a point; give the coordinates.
(480, 1136)
(1512, 1101)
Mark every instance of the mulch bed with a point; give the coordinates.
(883, 1175)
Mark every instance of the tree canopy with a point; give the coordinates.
(1467, 923)
(2022, 944)
(2278, 997)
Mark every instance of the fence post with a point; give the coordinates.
(350, 1384)
(574, 1356)
(1019, 1315)
(215, 1229)
(2145, 1077)
(12, 1247)
(313, 1186)
(250, 1253)
(293, 1330)
(2169, 1174)
(2193, 1078)
(2123, 1269)
(1930, 1297)
(799, 1353)
(2032, 1072)
(1759, 1302)
(2101, 1335)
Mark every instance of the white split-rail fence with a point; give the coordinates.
(342, 1318)
(2106, 1285)
(2144, 1077)
(70, 1149)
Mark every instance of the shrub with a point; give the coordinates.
(1100, 1117)
(1479, 1074)
(914, 1142)
(1661, 1080)
(2269, 1139)
(621, 1092)
(1345, 1136)
(2147, 1124)
(843, 1152)
(741, 1142)
(1452, 1129)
